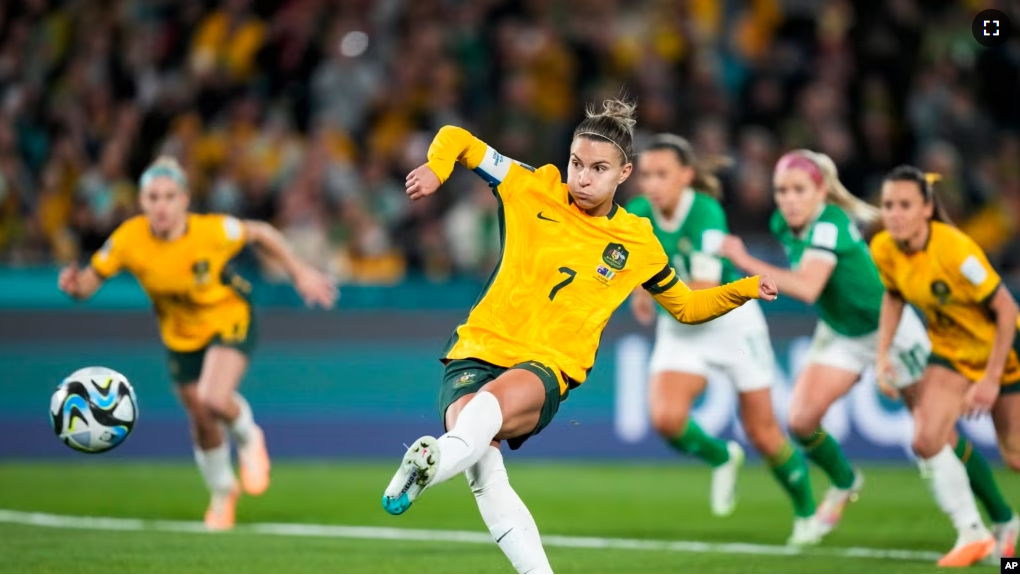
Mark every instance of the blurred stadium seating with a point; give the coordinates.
(308, 113)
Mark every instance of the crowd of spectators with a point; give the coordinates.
(308, 113)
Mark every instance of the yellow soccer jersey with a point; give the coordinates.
(195, 298)
(561, 273)
(951, 281)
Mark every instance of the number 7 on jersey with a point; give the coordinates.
(570, 277)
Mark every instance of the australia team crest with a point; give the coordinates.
(615, 256)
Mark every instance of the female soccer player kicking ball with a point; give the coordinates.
(680, 198)
(182, 261)
(974, 366)
(570, 257)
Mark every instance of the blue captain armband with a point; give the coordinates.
(495, 167)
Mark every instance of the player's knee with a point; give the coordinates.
(668, 422)
(927, 445)
(803, 422)
(216, 404)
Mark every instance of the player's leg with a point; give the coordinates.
(678, 374)
(212, 453)
(835, 363)
(506, 516)
(671, 395)
(752, 373)
(817, 388)
(939, 398)
(217, 390)
(1006, 415)
(477, 409)
(787, 463)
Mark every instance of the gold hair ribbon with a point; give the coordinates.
(932, 177)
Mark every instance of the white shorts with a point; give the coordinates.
(907, 356)
(737, 344)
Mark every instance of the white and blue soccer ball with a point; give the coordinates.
(93, 410)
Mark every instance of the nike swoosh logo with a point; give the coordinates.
(541, 217)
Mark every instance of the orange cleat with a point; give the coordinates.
(254, 464)
(220, 515)
(967, 554)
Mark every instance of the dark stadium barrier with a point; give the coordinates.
(362, 383)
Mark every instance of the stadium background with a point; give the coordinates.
(308, 113)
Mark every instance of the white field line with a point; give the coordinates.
(450, 536)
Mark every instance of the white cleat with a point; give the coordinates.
(412, 477)
(1005, 537)
(806, 531)
(830, 511)
(724, 482)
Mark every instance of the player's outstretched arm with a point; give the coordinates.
(80, 284)
(805, 283)
(452, 145)
(698, 306)
(313, 286)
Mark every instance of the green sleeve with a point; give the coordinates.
(707, 225)
(834, 232)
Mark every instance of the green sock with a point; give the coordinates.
(791, 471)
(694, 441)
(821, 448)
(982, 482)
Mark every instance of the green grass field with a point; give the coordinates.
(595, 519)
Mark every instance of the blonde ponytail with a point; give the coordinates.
(836, 193)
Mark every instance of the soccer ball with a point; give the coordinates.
(93, 410)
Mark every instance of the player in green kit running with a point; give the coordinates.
(680, 198)
(832, 269)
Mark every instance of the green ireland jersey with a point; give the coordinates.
(852, 299)
(691, 237)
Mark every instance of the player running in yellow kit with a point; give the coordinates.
(206, 321)
(974, 365)
(570, 257)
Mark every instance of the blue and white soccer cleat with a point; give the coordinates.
(415, 473)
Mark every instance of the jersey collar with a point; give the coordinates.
(187, 228)
(612, 209)
(683, 209)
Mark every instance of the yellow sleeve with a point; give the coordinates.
(977, 277)
(231, 232)
(109, 260)
(698, 306)
(881, 255)
(454, 145)
(451, 145)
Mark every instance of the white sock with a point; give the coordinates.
(506, 516)
(462, 446)
(214, 465)
(244, 424)
(947, 478)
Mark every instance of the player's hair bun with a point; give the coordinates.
(622, 111)
(615, 124)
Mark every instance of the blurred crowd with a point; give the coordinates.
(308, 113)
